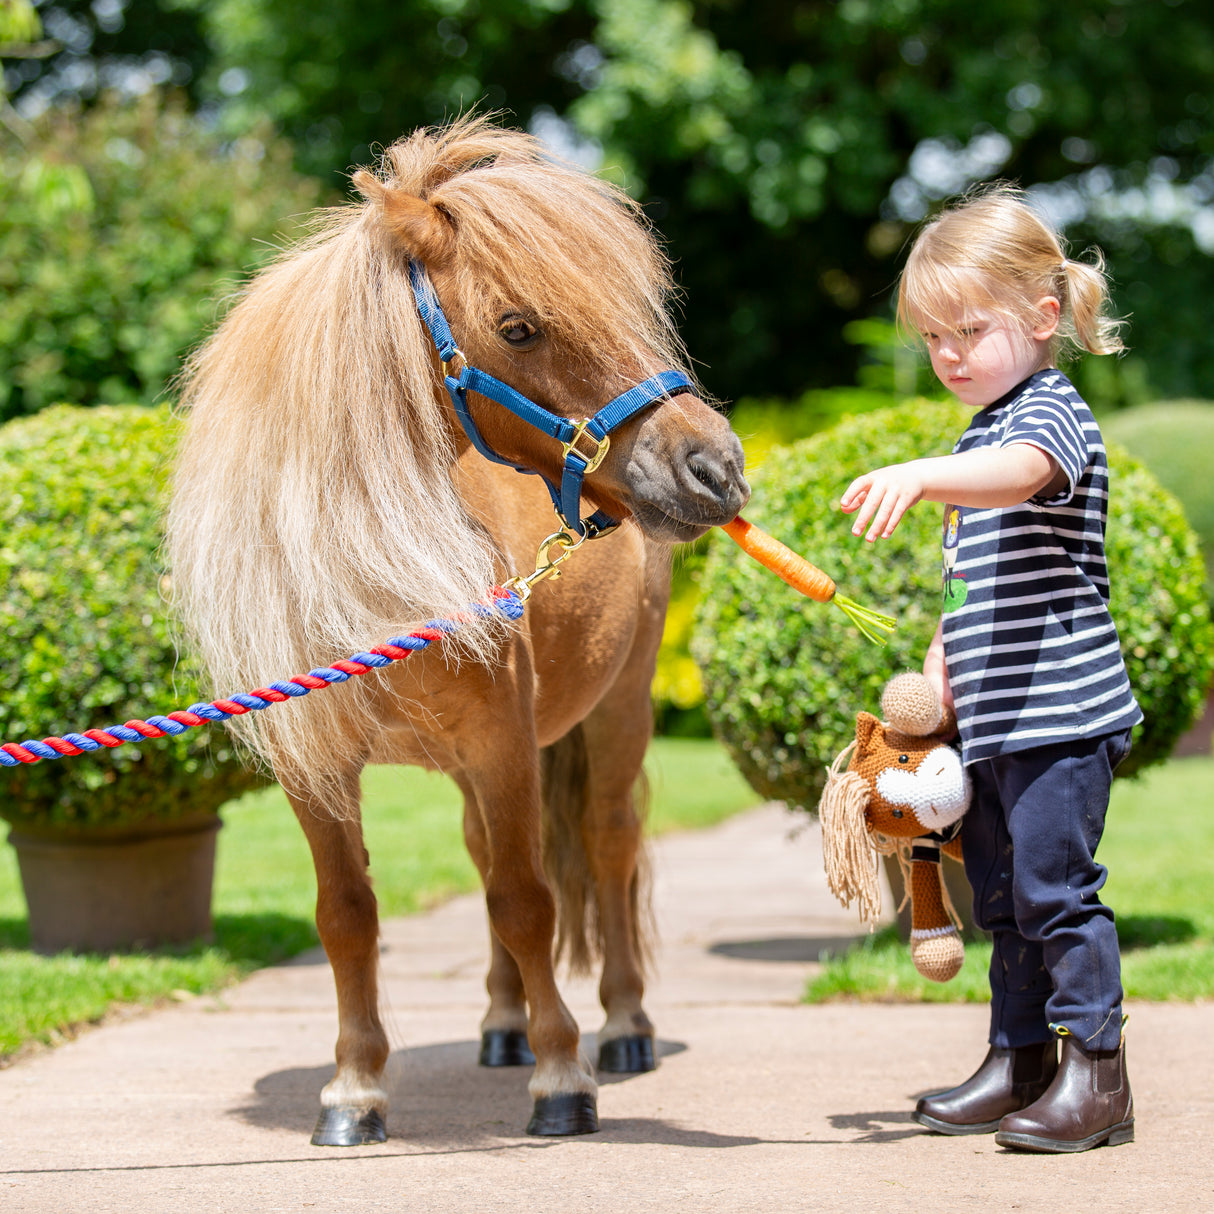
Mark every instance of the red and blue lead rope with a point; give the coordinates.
(500, 602)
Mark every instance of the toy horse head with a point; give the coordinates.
(915, 781)
(903, 782)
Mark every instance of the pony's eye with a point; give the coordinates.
(897, 813)
(517, 332)
(904, 758)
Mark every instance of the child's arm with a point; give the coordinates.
(935, 671)
(990, 477)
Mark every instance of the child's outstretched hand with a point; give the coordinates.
(883, 497)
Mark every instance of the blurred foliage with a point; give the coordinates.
(87, 638)
(1175, 440)
(120, 227)
(347, 77)
(785, 677)
(785, 149)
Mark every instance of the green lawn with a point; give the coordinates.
(1157, 846)
(264, 888)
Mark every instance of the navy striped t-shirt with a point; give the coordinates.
(1031, 649)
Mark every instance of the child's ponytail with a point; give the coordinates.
(1087, 294)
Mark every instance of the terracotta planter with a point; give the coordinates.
(98, 891)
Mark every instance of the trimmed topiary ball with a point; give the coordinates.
(784, 677)
(1174, 439)
(87, 639)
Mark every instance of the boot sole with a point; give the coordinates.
(951, 1127)
(1124, 1132)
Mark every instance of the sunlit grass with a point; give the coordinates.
(265, 889)
(1157, 846)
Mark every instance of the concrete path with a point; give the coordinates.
(760, 1102)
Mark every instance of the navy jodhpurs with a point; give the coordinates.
(1029, 840)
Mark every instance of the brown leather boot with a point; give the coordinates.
(1088, 1103)
(1007, 1080)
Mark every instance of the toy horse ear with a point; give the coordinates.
(866, 726)
(421, 229)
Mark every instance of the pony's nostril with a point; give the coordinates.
(705, 476)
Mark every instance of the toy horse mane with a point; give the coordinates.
(314, 509)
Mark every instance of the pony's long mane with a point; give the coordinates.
(313, 512)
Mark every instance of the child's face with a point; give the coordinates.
(980, 356)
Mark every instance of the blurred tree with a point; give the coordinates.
(786, 148)
(789, 148)
(108, 45)
(119, 231)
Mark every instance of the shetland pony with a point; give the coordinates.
(326, 498)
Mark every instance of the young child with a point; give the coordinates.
(1028, 654)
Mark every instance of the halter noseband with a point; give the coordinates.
(576, 438)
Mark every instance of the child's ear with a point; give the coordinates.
(1049, 314)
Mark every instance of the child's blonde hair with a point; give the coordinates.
(992, 251)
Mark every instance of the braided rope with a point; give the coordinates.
(499, 601)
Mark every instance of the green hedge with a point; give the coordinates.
(1174, 439)
(784, 677)
(118, 228)
(87, 639)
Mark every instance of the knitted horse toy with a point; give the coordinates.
(903, 792)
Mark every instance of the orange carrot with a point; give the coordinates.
(781, 560)
(806, 578)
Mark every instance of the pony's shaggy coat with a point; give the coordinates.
(314, 513)
(326, 501)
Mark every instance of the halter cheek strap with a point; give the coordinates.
(585, 443)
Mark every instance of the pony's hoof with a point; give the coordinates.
(627, 1055)
(564, 1114)
(505, 1047)
(345, 1127)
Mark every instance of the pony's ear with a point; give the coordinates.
(422, 230)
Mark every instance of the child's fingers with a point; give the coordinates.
(854, 494)
(867, 509)
(887, 517)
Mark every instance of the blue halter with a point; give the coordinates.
(585, 443)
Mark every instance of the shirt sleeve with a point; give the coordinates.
(1049, 422)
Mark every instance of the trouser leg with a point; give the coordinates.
(1020, 983)
(1056, 962)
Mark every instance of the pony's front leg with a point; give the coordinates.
(611, 835)
(504, 1028)
(353, 1102)
(522, 915)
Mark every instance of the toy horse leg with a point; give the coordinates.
(504, 1028)
(354, 1101)
(936, 946)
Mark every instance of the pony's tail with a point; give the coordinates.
(564, 769)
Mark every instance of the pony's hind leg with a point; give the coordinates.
(504, 1028)
(353, 1102)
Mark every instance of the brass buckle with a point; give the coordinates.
(447, 362)
(597, 456)
(546, 564)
